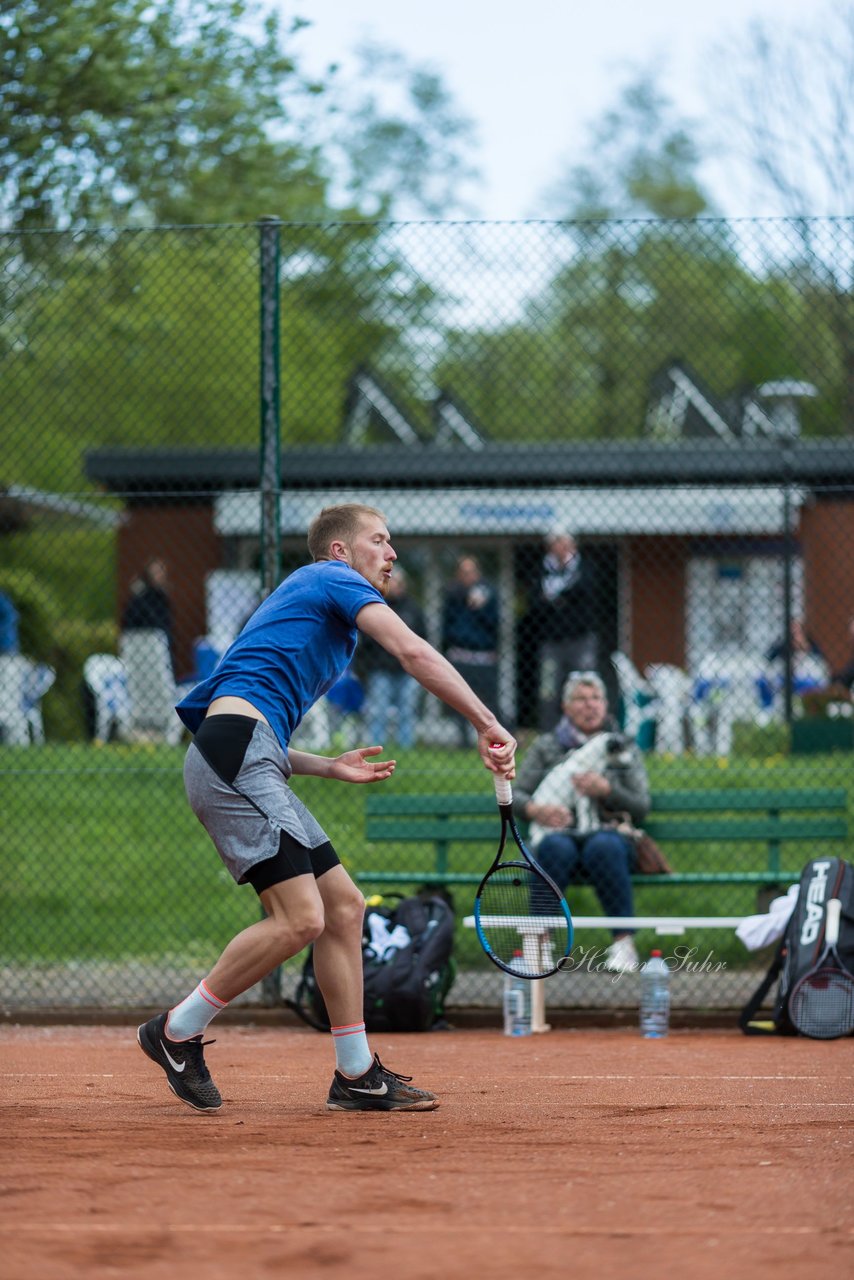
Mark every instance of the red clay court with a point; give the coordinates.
(589, 1153)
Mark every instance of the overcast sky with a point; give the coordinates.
(532, 74)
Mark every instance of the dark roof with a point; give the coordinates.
(630, 462)
(21, 506)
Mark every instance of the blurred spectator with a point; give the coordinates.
(8, 625)
(846, 675)
(810, 669)
(387, 685)
(344, 702)
(148, 604)
(470, 634)
(562, 620)
(601, 855)
(800, 642)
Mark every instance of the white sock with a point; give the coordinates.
(191, 1016)
(352, 1055)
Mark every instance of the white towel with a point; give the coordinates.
(758, 931)
(384, 939)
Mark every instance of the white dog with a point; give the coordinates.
(557, 786)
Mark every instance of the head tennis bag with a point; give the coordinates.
(405, 986)
(803, 942)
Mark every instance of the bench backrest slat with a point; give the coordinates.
(747, 800)
(759, 814)
(430, 805)
(716, 801)
(771, 828)
(433, 829)
(708, 829)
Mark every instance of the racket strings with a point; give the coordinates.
(822, 1006)
(513, 905)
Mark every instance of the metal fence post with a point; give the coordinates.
(270, 468)
(788, 555)
(271, 555)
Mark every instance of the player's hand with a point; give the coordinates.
(354, 766)
(497, 750)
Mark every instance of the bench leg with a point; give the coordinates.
(538, 1006)
(537, 948)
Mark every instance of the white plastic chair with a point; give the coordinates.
(640, 703)
(726, 690)
(38, 678)
(13, 716)
(672, 688)
(106, 677)
(151, 685)
(23, 684)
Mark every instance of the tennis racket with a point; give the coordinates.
(822, 1002)
(521, 917)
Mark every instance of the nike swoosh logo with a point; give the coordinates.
(178, 1066)
(382, 1089)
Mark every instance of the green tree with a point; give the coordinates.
(133, 112)
(786, 94)
(149, 338)
(639, 279)
(624, 300)
(640, 160)
(397, 141)
(184, 111)
(126, 111)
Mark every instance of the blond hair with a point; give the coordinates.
(337, 524)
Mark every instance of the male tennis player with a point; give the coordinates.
(291, 651)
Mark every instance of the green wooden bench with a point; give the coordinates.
(747, 820)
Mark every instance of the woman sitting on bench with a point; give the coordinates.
(564, 840)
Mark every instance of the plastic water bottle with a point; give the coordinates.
(517, 1002)
(654, 997)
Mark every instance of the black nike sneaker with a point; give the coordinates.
(378, 1090)
(183, 1062)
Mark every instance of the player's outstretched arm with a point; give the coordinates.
(496, 745)
(352, 766)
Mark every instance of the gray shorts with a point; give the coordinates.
(245, 803)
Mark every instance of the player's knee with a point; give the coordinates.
(311, 925)
(347, 913)
(298, 929)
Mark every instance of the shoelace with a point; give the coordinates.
(395, 1075)
(194, 1048)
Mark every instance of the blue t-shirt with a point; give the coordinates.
(292, 650)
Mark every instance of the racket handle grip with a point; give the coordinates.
(503, 790)
(831, 921)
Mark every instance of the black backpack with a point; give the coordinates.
(803, 942)
(405, 988)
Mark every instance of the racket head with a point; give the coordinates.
(821, 1005)
(522, 920)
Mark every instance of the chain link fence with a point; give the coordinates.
(622, 448)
